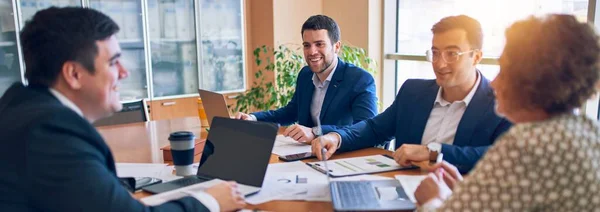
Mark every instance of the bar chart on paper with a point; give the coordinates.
(358, 165)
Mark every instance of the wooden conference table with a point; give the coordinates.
(141, 143)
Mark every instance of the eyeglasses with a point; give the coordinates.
(449, 56)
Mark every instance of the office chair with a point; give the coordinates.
(132, 112)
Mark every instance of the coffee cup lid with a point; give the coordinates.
(181, 136)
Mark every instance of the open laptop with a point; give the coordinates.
(378, 195)
(214, 105)
(235, 150)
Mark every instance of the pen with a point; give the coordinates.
(317, 167)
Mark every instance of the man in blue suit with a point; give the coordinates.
(453, 114)
(327, 90)
(52, 158)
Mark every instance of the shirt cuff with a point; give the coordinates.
(207, 200)
(339, 139)
(253, 117)
(432, 205)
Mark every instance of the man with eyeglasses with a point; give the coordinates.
(452, 115)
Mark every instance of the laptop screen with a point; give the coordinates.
(238, 150)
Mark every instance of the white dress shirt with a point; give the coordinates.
(207, 200)
(445, 117)
(66, 102)
(319, 94)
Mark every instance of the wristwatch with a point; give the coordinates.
(316, 131)
(434, 150)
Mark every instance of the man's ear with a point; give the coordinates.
(337, 47)
(71, 73)
(478, 57)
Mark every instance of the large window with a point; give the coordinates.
(413, 20)
(416, 17)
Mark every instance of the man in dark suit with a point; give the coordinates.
(453, 114)
(52, 158)
(327, 90)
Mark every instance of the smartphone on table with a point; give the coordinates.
(295, 157)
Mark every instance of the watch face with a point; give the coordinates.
(436, 147)
(315, 131)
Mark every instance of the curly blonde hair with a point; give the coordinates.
(551, 62)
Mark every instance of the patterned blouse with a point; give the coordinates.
(553, 165)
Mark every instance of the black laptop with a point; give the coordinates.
(235, 150)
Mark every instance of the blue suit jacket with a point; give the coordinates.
(350, 98)
(54, 160)
(406, 118)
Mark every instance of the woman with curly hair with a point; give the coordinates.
(550, 159)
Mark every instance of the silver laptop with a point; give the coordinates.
(214, 105)
(378, 195)
(235, 150)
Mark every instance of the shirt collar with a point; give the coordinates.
(466, 100)
(316, 80)
(65, 101)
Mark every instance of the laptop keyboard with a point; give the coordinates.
(356, 194)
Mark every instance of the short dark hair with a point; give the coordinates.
(57, 35)
(318, 22)
(552, 63)
(470, 25)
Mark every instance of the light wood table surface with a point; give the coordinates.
(141, 143)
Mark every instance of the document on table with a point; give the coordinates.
(178, 193)
(287, 181)
(297, 181)
(410, 184)
(358, 165)
(287, 146)
(269, 193)
(156, 170)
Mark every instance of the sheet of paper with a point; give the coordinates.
(359, 165)
(178, 193)
(268, 193)
(410, 184)
(156, 170)
(287, 146)
(364, 177)
(318, 192)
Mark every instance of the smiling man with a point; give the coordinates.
(453, 114)
(328, 90)
(52, 158)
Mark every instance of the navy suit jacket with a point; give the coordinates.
(52, 159)
(350, 98)
(406, 118)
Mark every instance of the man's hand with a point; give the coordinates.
(228, 196)
(408, 153)
(330, 141)
(431, 188)
(243, 116)
(299, 133)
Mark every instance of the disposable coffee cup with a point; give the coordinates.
(182, 151)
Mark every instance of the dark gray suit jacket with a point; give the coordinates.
(51, 159)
